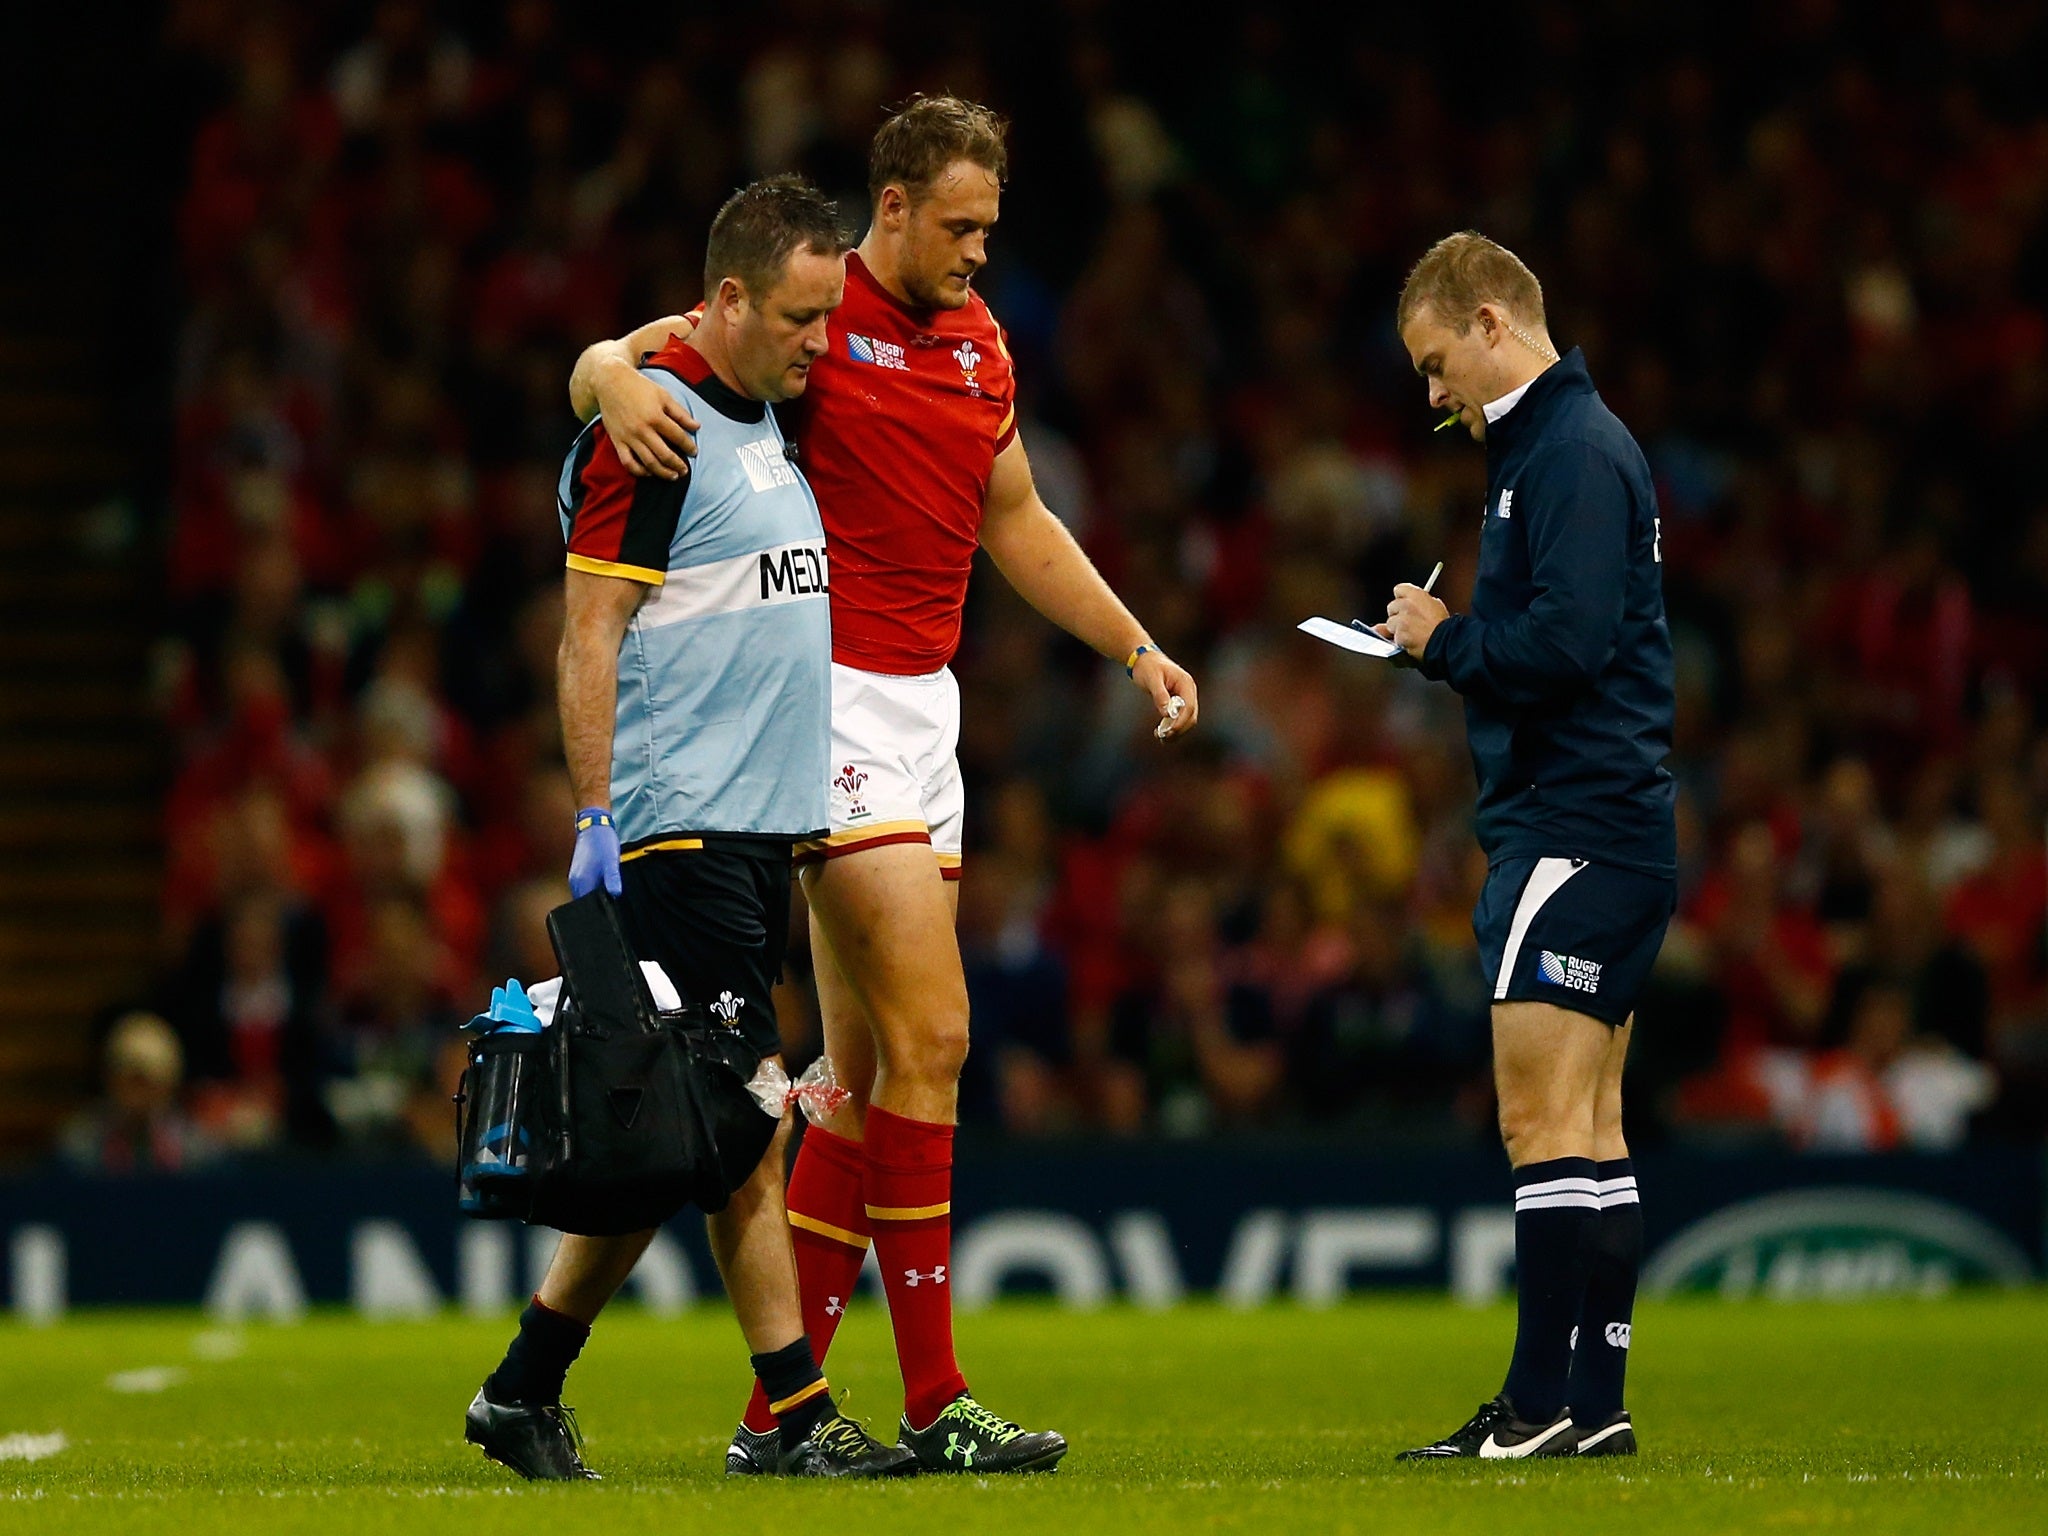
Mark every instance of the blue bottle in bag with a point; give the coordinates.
(503, 1089)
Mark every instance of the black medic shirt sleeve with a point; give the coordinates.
(620, 524)
(1577, 511)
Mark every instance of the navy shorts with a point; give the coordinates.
(716, 918)
(1571, 932)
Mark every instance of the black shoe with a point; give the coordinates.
(539, 1441)
(1614, 1437)
(966, 1437)
(1495, 1433)
(838, 1447)
(751, 1454)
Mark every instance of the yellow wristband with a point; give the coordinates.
(1131, 661)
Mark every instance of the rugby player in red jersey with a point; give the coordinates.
(908, 435)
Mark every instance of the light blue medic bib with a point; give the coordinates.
(724, 701)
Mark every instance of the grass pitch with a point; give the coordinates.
(1889, 1416)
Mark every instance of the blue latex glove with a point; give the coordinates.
(597, 854)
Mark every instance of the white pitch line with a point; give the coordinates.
(151, 1378)
(218, 1344)
(31, 1447)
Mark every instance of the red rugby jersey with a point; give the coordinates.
(898, 433)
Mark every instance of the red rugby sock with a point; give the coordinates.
(828, 1223)
(910, 1208)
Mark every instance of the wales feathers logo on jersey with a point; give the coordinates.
(726, 1008)
(969, 359)
(1568, 971)
(869, 349)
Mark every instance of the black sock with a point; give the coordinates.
(1554, 1203)
(1615, 1241)
(796, 1388)
(546, 1346)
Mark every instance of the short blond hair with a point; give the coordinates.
(929, 133)
(1463, 271)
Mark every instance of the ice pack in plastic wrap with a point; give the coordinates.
(817, 1092)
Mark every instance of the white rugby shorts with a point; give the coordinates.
(895, 776)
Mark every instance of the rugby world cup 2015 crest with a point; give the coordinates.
(872, 349)
(968, 356)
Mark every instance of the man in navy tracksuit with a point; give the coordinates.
(1564, 663)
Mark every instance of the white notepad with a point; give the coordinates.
(1344, 637)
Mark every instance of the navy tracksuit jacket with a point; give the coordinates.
(1564, 661)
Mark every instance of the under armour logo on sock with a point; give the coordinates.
(1575, 1338)
(834, 1306)
(937, 1277)
(1617, 1335)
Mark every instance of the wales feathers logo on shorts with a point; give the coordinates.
(727, 1008)
(883, 354)
(848, 783)
(1568, 971)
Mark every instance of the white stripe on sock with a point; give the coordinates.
(1586, 1201)
(1556, 1186)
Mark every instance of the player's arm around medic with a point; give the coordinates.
(673, 629)
(881, 893)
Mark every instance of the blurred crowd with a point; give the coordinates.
(1805, 249)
